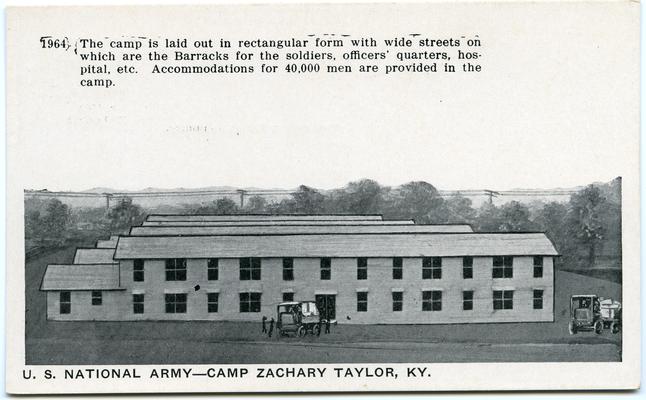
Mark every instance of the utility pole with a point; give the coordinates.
(242, 193)
(107, 200)
(491, 194)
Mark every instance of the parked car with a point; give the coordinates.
(298, 318)
(585, 314)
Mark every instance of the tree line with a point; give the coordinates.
(586, 230)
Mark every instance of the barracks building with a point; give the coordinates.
(360, 269)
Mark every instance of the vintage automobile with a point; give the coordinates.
(585, 314)
(298, 318)
(611, 314)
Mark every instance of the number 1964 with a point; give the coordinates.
(48, 42)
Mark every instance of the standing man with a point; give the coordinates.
(327, 326)
(271, 326)
(264, 324)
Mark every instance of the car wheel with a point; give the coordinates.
(614, 327)
(301, 331)
(598, 327)
(571, 328)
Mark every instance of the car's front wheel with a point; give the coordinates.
(614, 327)
(571, 328)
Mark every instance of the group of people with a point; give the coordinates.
(322, 323)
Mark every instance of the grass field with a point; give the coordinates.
(52, 342)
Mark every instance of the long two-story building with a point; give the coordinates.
(357, 270)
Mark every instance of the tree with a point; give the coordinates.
(256, 204)
(551, 220)
(226, 206)
(421, 202)
(584, 220)
(124, 215)
(56, 219)
(285, 206)
(459, 210)
(220, 206)
(487, 218)
(33, 224)
(514, 217)
(308, 200)
(361, 197)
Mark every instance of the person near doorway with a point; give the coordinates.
(271, 326)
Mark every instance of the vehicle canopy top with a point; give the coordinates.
(306, 308)
(288, 303)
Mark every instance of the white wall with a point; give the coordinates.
(117, 305)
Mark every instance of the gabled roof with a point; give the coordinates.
(291, 229)
(81, 277)
(264, 217)
(93, 256)
(107, 244)
(333, 245)
(266, 223)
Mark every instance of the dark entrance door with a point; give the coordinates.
(326, 304)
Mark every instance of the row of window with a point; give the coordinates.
(251, 302)
(250, 268)
(432, 300)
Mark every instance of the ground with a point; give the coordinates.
(55, 342)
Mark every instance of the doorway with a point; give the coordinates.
(326, 303)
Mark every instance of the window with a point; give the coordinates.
(213, 269)
(362, 268)
(538, 299)
(97, 298)
(245, 269)
(212, 301)
(176, 269)
(432, 300)
(65, 299)
(398, 301)
(250, 302)
(250, 269)
(326, 269)
(362, 301)
(138, 271)
(467, 300)
(398, 270)
(503, 299)
(503, 267)
(467, 267)
(432, 268)
(175, 303)
(288, 269)
(288, 296)
(138, 303)
(538, 267)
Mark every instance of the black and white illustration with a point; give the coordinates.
(434, 196)
(364, 273)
